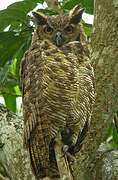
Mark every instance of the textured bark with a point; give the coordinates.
(12, 154)
(90, 166)
(104, 45)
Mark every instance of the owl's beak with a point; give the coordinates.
(58, 39)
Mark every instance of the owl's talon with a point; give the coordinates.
(69, 156)
(65, 149)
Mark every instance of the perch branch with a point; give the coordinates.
(13, 156)
(62, 161)
(15, 159)
(53, 4)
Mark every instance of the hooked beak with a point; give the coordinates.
(58, 39)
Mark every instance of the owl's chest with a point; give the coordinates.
(59, 75)
(60, 71)
(54, 77)
(59, 82)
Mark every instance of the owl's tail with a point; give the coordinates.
(39, 156)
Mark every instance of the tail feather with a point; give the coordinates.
(39, 157)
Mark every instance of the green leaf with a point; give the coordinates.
(7, 79)
(17, 90)
(88, 4)
(8, 16)
(87, 28)
(10, 100)
(10, 45)
(112, 132)
(26, 5)
(3, 74)
(15, 26)
(109, 132)
(115, 136)
(13, 67)
(18, 66)
(48, 12)
(10, 81)
(17, 12)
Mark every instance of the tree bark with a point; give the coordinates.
(13, 156)
(104, 51)
(90, 164)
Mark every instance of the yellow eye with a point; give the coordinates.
(48, 30)
(69, 29)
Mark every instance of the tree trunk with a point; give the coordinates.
(104, 51)
(90, 166)
(13, 156)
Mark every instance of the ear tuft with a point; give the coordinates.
(40, 19)
(76, 14)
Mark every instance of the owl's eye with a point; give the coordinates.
(69, 29)
(48, 30)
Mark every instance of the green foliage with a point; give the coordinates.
(13, 44)
(87, 28)
(88, 4)
(10, 45)
(10, 98)
(17, 12)
(48, 12)
(112, 132)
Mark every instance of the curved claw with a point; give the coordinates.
(69, 156)
(65, 149)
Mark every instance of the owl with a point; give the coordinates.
(57, 82)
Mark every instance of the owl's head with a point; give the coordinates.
(59, 29)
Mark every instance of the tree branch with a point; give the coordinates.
(13, 157)
(104, 50)
(54, 4)
(16, 162)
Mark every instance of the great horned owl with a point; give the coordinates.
(57, 87)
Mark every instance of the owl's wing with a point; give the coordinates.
(36, 126)
(88, 84)
(86, 100)
(29, 108)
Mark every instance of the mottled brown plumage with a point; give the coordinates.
(57, 88)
